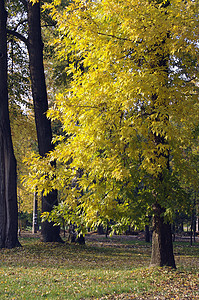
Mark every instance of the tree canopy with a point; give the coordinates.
(139, 80)
(130, 112)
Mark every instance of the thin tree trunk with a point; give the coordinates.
(147, 234)
(173, 230)
(107, 228)
(191, 233)
(194, 230)
(182, 226)
(8, 175)
(197, 217)
(72, 234)
(162, 246)
(64, 228)
(35, 213)
(49, 232)
(193, 224)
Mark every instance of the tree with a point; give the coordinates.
(20, 100)
(8, 175)
(24, 140)
(34, 45)
(50, 233)
(129, 116)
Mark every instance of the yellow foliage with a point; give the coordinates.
(134, 105)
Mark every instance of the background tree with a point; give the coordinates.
(20, 100)
(8, 175)
(31, 36)
(50, 233)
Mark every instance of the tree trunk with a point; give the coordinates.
(147, 234)
(182, 226)
(35, 213)
(73, 236)
(173, 231)
(197, 217)
(8, 174)
(162, 246)
(100, 229)
(49, 232)
(191, 233)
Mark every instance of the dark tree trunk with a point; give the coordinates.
(81, 239)
(194, 221)
(194, 231)
(73, 236)
(100, 229)
(191, 234)
(64, 228)
(147, 234)
(173, 230)
(162, 245)
(107, 229)
(8, 175)
(182, 226)
(49, 232)
(193, 227)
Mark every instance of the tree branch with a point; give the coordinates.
(20, 23)
(119, 38)
(114, 36)
(25, 3)
(19, 36)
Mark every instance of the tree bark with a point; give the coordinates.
(73, 236)
(100, 229)
(8, 174)
(162, 245)
(147, 234)
(49, 232)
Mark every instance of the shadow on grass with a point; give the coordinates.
(88, 256)
(102, 267)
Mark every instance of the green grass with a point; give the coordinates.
(113, 268)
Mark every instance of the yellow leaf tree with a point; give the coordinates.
(129, 112)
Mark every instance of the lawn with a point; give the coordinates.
(113, 268)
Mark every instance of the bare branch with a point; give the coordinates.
(20, 23)
(25, 3)
(19, 36)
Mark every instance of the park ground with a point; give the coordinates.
(105, 268)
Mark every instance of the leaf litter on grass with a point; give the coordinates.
(165, 284)
(112, 268)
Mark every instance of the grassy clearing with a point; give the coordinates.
(113, 268)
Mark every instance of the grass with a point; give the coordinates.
(113, 268)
